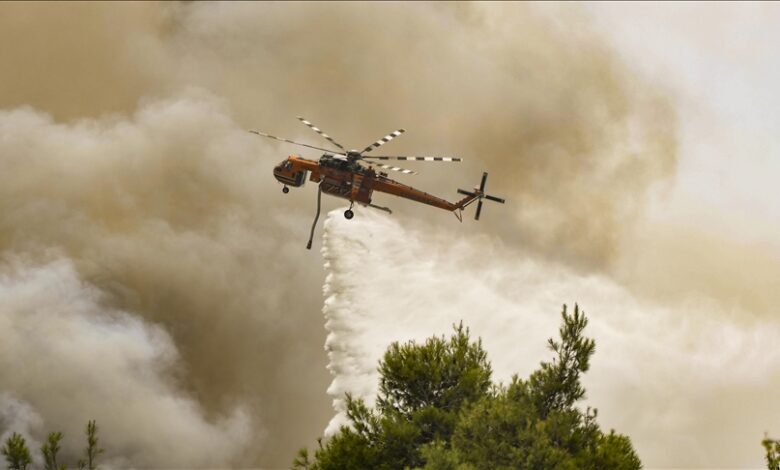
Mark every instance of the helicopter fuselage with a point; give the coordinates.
(349, 180)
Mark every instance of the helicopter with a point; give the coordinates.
(340, 174)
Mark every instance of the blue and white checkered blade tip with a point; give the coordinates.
(384, 140)
(289, 141)
(395, 168)
(320, 132)
(416, 159)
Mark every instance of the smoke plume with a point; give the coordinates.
(73, 359)
(130, 187)
(148, 213)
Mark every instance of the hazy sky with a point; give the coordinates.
(721, 61)
(635, 143)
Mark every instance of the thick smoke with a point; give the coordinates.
(163, 214)
(73, 358)
(686, 381)
(572, 136)
(79, 59)
(123, 154)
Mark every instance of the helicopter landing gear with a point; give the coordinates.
(348, 214)
(285, 189)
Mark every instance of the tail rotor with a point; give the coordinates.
(479, 193)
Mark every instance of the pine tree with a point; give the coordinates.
(16, 453)
(772, 448)
(438, 410)
(422, 390)
(92, 451)
(49, 450)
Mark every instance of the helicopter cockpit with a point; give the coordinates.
(286, 175)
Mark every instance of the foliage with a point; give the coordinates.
(92, 450)
(16, 453)
(439, 374)
(302, 459)
(49, 450)
(18, 457)
(437, 409)
(421, 392)
(772, 448)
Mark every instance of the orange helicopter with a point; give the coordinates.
(341, 175)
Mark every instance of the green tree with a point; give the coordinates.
(422, 389)
(439, 374)
(16, 453)
(49, 450)
(772, 448)
(556, 386)
(438, 410)
(92, 451)
(533, 424)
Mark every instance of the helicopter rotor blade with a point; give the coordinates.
(289, 141)
(383, 140)
(418, 159)
(320, 132)
(395, 168)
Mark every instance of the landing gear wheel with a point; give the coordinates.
(285, 190)
(348, 214)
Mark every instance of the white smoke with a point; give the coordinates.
(73, 359)
(17, 416)
(687, 382)
(118, 235)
